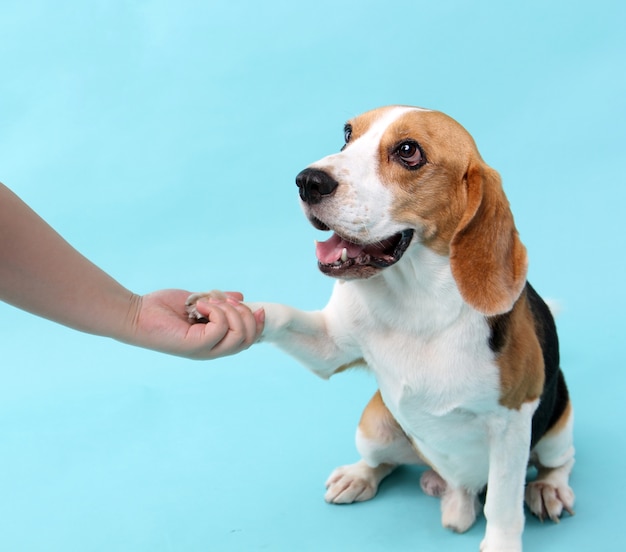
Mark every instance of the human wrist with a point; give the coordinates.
(125, 328)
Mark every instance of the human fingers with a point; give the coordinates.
(236, 295)
(230, 327)
(242, 331)
(213, 326)
(205, 304)
(254, 321)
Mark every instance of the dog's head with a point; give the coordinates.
(409, 177)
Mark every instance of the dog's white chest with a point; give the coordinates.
(441, 393)
(437, 376)
(434, 375)
(429, 351)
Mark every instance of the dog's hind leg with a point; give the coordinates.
(549, 494)
(382, 445)
(458, 509)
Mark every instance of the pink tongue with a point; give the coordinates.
(330, 250)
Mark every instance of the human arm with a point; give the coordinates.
(41, 273)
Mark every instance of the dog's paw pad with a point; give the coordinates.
(347, 484)
(432, 483)
(546, 500)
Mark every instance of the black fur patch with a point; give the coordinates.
(555, 396)
(499, 326)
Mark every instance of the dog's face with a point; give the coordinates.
(409, 177)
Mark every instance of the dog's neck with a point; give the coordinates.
(420, 288)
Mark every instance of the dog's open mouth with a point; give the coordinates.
(342, 258)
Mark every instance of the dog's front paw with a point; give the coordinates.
(354, 483)
(549, 499)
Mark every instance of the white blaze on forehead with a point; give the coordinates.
(387, 117)
(362, 203)
(368, 142)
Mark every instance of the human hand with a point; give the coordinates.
(227, 326)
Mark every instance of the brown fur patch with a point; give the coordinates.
(488, 260)
(433, 196)
(377, 423)
(520, 358)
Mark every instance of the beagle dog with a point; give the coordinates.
(431, 296)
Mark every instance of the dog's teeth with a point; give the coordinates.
(344, 255)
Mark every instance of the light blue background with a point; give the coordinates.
(162, 140)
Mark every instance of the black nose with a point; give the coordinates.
(314, 184)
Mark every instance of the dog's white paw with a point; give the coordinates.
(354, 483)
(548, 499)
(432, 483)
(458, 510)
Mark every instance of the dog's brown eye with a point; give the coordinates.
(410, 154)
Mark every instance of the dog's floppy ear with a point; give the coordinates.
(487, 258)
